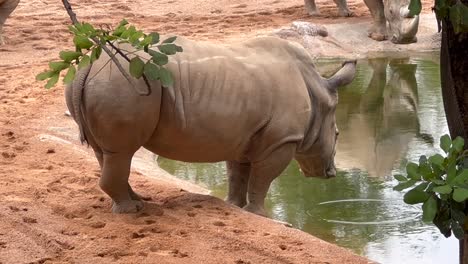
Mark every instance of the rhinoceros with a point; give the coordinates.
(403, 27)
(6, 7)
(256, 105)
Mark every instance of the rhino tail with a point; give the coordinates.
(77, 102)
(344, 76)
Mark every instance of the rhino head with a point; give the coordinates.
(402, 26)
(317, 157)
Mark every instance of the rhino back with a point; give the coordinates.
(232, 102)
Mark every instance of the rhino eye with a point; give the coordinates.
(337, 132)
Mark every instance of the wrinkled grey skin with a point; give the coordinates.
(402, 27)
(6, 7)
(255, 105)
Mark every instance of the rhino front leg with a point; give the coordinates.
(311, 8)
(378, 30)
(238, 176)
(6, 7)
(263, 173)
(343, 9)
(114, 182)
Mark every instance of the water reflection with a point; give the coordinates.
(378, 123)
(391, 113)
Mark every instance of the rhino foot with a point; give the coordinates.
(126, 207)
(345, 13)
(237, 202)
(377, 36)
(377, 33)
(313, 13)
(253, 208)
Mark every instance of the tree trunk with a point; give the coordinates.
(454, 80)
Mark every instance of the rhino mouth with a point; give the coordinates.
(330, 172)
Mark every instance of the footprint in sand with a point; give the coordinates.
(219, 223)
(239, 6)
(29, 220)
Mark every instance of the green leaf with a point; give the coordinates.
(455, 17)
(179, 48)
(165, 77)
(169, 49)
(451, 174)
(136, 67)
(422, 159)
(135, 37)
(45, 75)
(438, 181)
(146, 41)
(96, 53)
(422, 186)
(437, 159)
(415, 196)
(412, 170)
(445, 143)
(129, 32)
(462, 177)
(429, 209)
(426, 171)
(458, 215)
(400, 178)
(123, 22)
(58, 65)
(170, 40)
(404, 185)
(151, 71)
(158, 58)
(52, 81)
(458, 144)
(70, 76)
(68, 56)
(415, 7)
(118, 31)
(88, 28)
(154, 38)
(457, 230)
(85, 61)
(460, 194)
(82, 42)
(444, 189)
(73, 30)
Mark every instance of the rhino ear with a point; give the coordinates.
(344, 76)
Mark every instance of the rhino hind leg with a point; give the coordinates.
(263, 173)
(114, 182)
(238, 176)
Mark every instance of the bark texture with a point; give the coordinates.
(454, 81)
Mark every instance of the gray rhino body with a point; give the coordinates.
(256, 105)
(402, 27)
(6, 7)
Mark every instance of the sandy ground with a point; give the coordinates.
(51, 209)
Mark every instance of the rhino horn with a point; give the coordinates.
(344, 76)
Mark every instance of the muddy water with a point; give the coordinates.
(391, 113)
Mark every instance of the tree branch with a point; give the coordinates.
(74, 20)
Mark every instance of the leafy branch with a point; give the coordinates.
(90, 42)
(442, 188)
